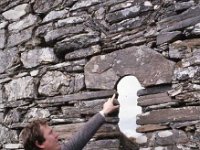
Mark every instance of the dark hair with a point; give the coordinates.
(32, 133)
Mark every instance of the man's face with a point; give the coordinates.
(51, 138)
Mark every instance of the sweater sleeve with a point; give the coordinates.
(81, 138)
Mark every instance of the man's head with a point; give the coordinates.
(38, 135)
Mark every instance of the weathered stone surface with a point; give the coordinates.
(111, 144)
(20, 88)
(28, 21)
(20, 37)
(71, 112)
(3, 24)
(63, 32)
(184, 5)
(7, 135)
(41, 6)
(137, 61)
(161, 106)
(85, 4)
(55, 15)
(196, 29)
(153, 90)
(154, 99)
(71, 20)
(127, 24)
(38, 56)
(60, 119)
(17, 12)
(90, 107)
(14, 104)
(177, 50)
(189, 97)
(1, 114)
(12, 116)
(1, 94)
(44, 29)
(77, 65)
(151, 127)
(77, 97)
(123, 14)
(170, 137)
(121, 6)
(13, 146)
(186, 73)
(83, 53)
(2, 38)
(56, 82)
(76, 42)
(189, 113)
(8, 59)
(167, 37)
(183, 20)
(178, 125)
(36, 113)
(79, 82)
(193, 60)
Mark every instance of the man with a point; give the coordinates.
(38, 135)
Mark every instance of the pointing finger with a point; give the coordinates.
(113, 97)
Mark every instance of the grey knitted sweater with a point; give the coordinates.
(80, 139)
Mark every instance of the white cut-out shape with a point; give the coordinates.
(127, 89)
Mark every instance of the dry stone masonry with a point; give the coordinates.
(62, 59)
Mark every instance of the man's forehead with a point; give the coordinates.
(45, 127)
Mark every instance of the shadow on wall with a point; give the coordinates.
(127, 89)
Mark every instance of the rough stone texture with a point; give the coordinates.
(59, 100)
(183, 20)
(167, 37)
(123, 14)
(71, 20)
(24, 23)
(83, 53)
(13, 116)
(43, 29)
(38, 56)
(55, 15)
(151, 127)
(7, 135)
(154, 99)
(8, 59)
(76, 42)
(116, 65)
(3, 24)
(84, 4)
(171, 137)
(20, 88)
(70, 66)
(36, 113)
(2, 38)
(56, 82)
(103, 144)
(41, 6)
(62, 32)
(17, 12)
(189, 113)
(22, 36)
(79, 83)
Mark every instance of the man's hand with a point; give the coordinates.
(109, 107)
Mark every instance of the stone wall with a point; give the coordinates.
(62, 59)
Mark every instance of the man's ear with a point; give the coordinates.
(41, 146)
